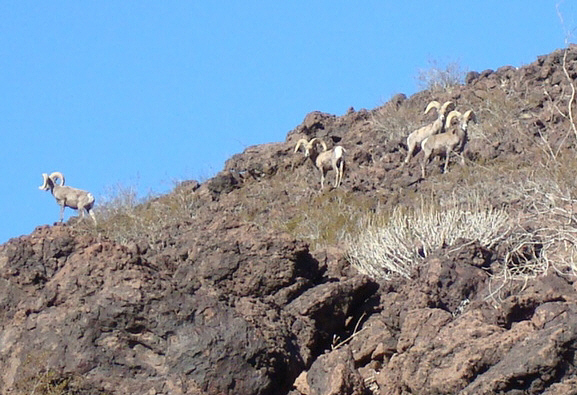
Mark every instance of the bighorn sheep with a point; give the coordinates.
(451, 141)
(416, 138)
(67, 196)
(325, 160)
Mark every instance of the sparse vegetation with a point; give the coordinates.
(44, 383)
(125, 218)
(527, 215)
(496, 202)
(438, 77)
(327, 219)
(321, 219)
(395, 123)
(516, 196)
(37, 379)
(393, 245)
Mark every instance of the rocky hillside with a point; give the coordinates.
(255, 282)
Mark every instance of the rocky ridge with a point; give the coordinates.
(231, 302)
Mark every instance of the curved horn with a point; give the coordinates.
(446, 106)
(469, 115)
(321, 142)
(57, 175)
(433, 104)
(450, 117)
(44, 182)
(299, 143)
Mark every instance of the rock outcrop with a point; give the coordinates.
(233, 301)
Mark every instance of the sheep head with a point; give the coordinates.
(45, 186)
(49, 181)
(318, 141)
(464, 119)
(441, 109)
(303, 143)
(450, 117)
(310, 145)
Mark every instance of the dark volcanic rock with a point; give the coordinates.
(476, 352)
(101, 314)
(231, 300)
(335, 374)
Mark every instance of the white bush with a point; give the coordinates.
(408, 237)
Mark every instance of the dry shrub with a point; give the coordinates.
(501, 117)
(326, 219)
(321, 218)
(393, 245)
(441, 77)
(550, 210)
(540, 199)
(545, 236)
(124, 217)
(526, 213)
(44, 383)
(395, 122)
(36, 377)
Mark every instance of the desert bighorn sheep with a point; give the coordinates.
(67, 196)
(416, 138)
(451, 141)
(325, 160)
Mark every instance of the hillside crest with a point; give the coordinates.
(254, 282)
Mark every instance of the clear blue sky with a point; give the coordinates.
(145, 93)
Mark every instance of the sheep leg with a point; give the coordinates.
(446, 161)
(93, 216)
(340, 169)
(425, 162)
(61, 212)
(337, 181)
(410, 153)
